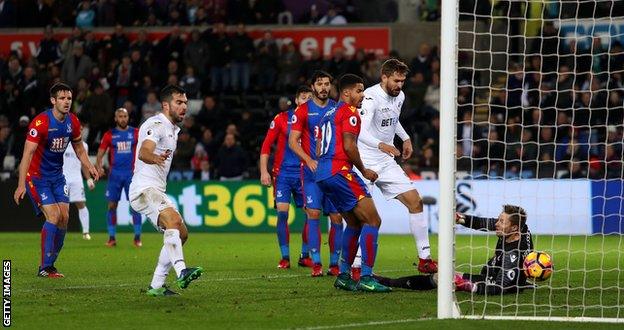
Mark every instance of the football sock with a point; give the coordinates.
(335, 242)
(162, 269)
(357, 262)
(136, 223)
(349, 248)
(48, 234)
(304, 240)
(314, 237)
(111, 220)
(283, 235)
(59, 240)
(173, 245)
(83, 215)
(368, 242)
(420, 230)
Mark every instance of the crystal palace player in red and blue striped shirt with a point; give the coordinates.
(41, 169)
(337, 153)
(286, 179)
(121, 141)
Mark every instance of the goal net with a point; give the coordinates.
(539, 124)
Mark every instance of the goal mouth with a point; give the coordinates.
(537, 121)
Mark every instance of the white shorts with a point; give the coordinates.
(76, 191)
(392, 180)
(151, 202)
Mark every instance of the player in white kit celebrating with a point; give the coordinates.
(72, 169)
(158, 137)
(380, 113)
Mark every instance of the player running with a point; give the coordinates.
(286, 179)
(304, 126)
(158, 137)
(121, 141)
(503, 273)
(41, 169)
(380, 123)
(338, 153)
(72, 170)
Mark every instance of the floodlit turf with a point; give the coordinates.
(242, 288)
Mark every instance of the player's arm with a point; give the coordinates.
(407, 142)
(477, 223)
(269, 140)
(104, 146)
(147, 155)
(29, 151)
(294, 137)
(367, 115)
(81, 153)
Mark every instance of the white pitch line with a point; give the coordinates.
(222, 279)
(364, 324)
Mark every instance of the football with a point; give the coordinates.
(538, 266)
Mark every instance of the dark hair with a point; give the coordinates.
(349, 80)
(166, 94)
(59, 87)
(393, 65)
(517, 215)
(302, 89)
(318, 74)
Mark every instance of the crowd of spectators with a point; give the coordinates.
(555, 113)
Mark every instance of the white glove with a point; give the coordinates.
(90, 184)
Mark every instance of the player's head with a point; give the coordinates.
(61, 97)
(351, 89)
(121, 118)
(303, 94)
(510, 221)
(320, 82)
(174, 102)
(393, 75)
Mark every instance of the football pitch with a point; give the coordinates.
(242, 288)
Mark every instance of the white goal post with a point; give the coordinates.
(539, 87)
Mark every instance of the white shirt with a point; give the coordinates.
(380, 122)
(72, 169)
(165, 134)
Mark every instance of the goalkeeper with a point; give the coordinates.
(503, 273)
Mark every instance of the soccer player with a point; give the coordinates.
(286, 179)
(304, 126)
(122, 142)
(71, 170)
(338, 153)
(41, 169)
(380, 123)
(503, 273)
(158, 137)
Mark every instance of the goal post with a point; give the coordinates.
(532, 114)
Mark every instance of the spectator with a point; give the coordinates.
(338, 65)
(231, 161)
(312, 17)
(76, 67)
(119, 43)
(49, 50)
(85, 18)
(67, 45)
(219, 50)
(332, 17)
(14, 69)
(265, 12)
(197, 163)
(210, 145)
(309, 66)
(428, 160)
(196, 53)
(97, 111)
(267, 61)
(8, 15)
(19, 137)
(151, 107)
(210, 115)
(191, 83)
(143, 45)
(421, 63)
(289, 63)
(184, 152)
(105, 13)
(241, 55)
(432, 96)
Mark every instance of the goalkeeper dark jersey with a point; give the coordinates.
(503, 273)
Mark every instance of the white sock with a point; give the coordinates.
(420, 230)
(162, 269)
(173, 244)
(357, 262)
(83, 215)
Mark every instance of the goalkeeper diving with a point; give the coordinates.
(502, 274)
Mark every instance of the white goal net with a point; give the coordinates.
(539, 124)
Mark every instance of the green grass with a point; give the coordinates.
(241, 287)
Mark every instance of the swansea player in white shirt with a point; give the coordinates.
(380, 123)
(72, 169)
(158, 137)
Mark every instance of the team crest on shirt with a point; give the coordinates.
(69, 128)
(279, 193)
(309, 199)
(149, 132)
(129, 135)
(32, 132)
(38, 122)
(44, 196)
(352, 108)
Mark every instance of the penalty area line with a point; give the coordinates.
(364, 324)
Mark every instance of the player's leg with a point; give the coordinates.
(296, 191)
(313, 204)
(52, 215)
(335, 242)
(59, 239)
(83, 216)
(281, 195)
(420, 230)
(60, 197)
(136, 217)
(415, 282)
(349, 245)
(113, 193)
